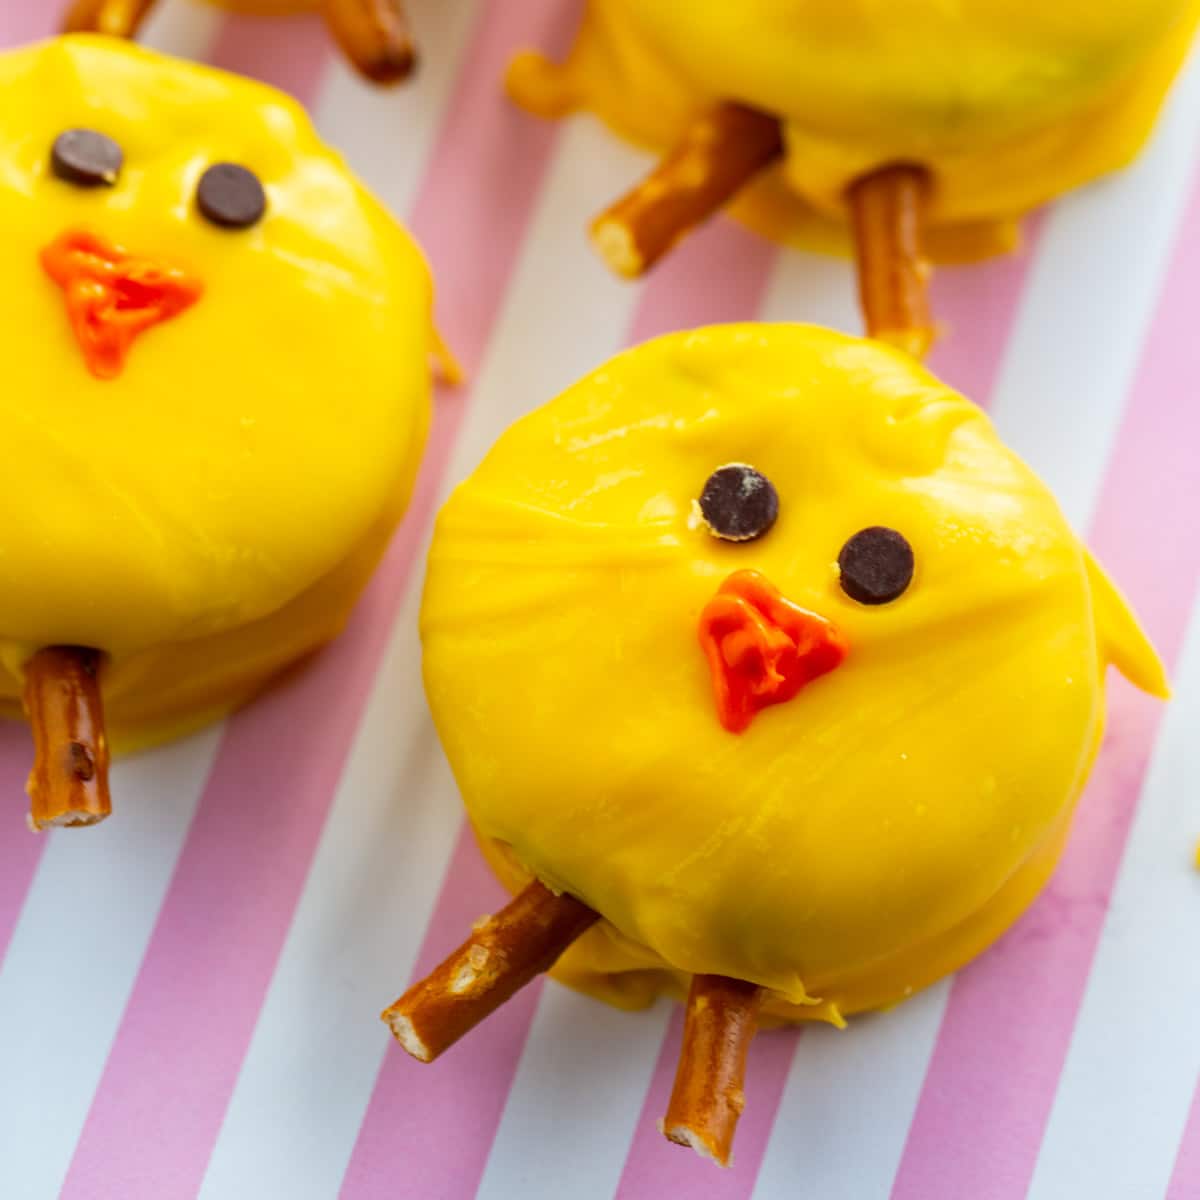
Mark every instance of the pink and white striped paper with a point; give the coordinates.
(188, 995)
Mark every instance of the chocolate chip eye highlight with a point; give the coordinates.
(876, 565)
(86, 158)
(231, 196)
(738, 503)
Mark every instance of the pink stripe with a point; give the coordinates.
(402, 1146)
(655, 1168)
(1185, 1179)
(20, 850)
(22, 21)
(992, 1080)
(719, 274)
(219, 934)
(290, 53)
(976, 306)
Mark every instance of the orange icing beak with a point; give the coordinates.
(761, 648)
(112, 295)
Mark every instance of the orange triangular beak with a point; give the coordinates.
(761, 648)
(112, 295)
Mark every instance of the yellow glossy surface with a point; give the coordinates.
(210, 515)
(1008, 102)
(854, 843)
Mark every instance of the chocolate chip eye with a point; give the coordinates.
(231, 196)
(876, 565)
(738, 503)
(86, 158)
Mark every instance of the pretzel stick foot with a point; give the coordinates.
(502, 955)
(721, 151)
(708, 1096)
(889, 213)
(69, 781)
(376, 37)
(117, 18)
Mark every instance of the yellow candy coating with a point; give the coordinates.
(1008, 102)
(211, 515)
(854, 843)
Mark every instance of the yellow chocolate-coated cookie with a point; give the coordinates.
(1008, 102)
(854, 842)
(210, 514)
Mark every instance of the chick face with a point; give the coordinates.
(860, 827)
(1007, 103)
(216, 368)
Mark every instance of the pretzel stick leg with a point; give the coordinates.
(721, 151)
(375, 35)
(889, 212)
(117, 18)
(69, 781)
(707, 1099)
(502, 955)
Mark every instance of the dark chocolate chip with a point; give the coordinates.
(86, 158)
(738, 503)
(231, 196)
(876, 565)
(81, 763)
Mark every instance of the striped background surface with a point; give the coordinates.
(188, 995)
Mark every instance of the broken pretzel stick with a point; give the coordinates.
(707, 1099)
(69, 781)
(502, 955)
(375, 35)
(721, 151)
(888, 209)
(117, 18)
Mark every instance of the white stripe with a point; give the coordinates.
(576, 1101)
(1089, 299)
(813, 288)
(1134, 1059)
(368, 899)
(300, 1096)
(75, 954)
(388, 135)
(182, 27)
(848, 1103)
